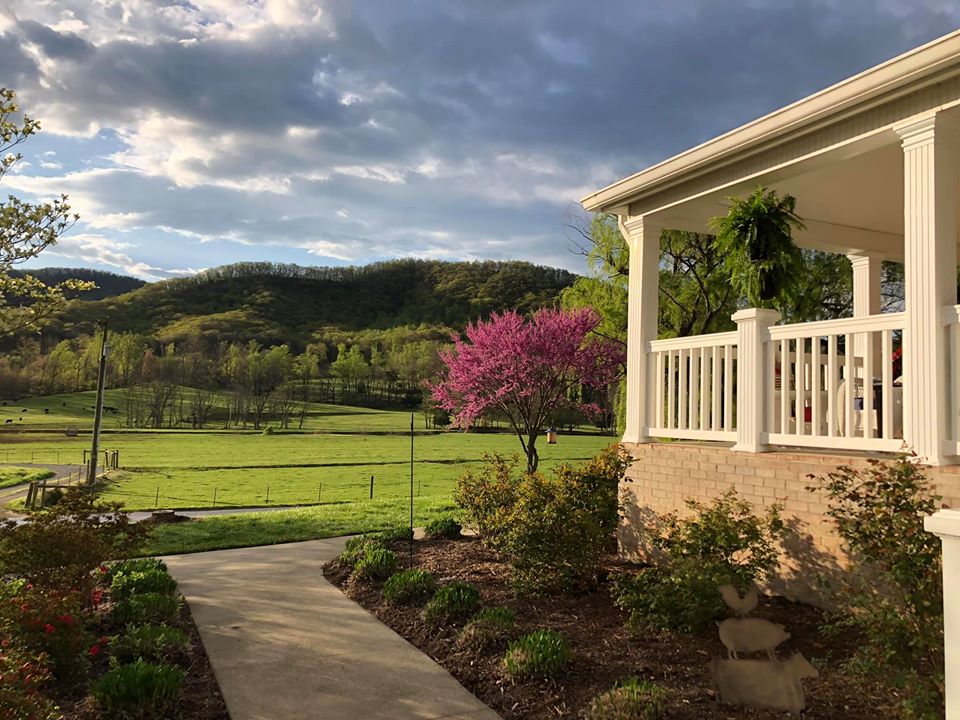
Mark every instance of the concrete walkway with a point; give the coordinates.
(287, 645)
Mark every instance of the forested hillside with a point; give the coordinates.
(108, 284)
(289, 304)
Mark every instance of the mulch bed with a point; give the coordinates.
(200, 697)
(605, 650)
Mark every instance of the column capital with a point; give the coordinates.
(635, 226)
(944, 523)
(761, 316)
(924, 130)
(862, 259)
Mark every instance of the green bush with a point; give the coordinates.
(150, 642)
(555, 530)
(377, 563)
(136, 582)
(136, 565)
(409, 586)
(140, 689)
(893, 601)
(444, 527)
(357, 546)
(52, 497)
(542, 652)
(146, 608)
(451, 603)
(22, 677)
(630, 699)
(681, 596)
(720, 543)
(488, 628)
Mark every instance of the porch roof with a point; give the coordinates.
(838, 142)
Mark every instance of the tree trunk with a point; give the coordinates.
(533, 457)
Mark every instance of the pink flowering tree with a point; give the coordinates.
(527, 369)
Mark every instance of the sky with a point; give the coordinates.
(194, 133)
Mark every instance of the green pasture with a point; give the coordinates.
(77, 409)
(10, 476)
(280, 526)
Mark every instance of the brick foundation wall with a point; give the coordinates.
(663, 475)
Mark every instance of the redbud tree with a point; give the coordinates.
(527, 369)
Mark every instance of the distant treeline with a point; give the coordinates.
(108, 283)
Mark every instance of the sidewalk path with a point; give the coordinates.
(287, 645)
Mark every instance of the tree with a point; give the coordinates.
(26, 230)
(526, 369)
(755, 238)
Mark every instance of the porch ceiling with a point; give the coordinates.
(850, 200)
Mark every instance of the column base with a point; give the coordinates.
(750, 448)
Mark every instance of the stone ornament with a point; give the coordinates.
(769, 684)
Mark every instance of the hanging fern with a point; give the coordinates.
(755, 239)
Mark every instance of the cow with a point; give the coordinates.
(749, 635)
(763, 684)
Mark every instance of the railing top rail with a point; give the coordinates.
(869, 323)
(693, 341)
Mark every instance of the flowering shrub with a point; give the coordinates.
(49, 623)
(487, 495)
(61, 547)
(22, 675)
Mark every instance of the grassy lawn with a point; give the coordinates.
(280, 526)
(18, 475)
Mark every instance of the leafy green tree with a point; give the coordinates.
(755, 238)
(26, 230)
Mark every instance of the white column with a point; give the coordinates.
(946, 524)
(930, 280)
(752, 325)
(643, 239)
(866, 284)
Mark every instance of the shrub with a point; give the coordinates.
(22, 676)
(555, 530)
(142, 581)
(894, 601)
(487, 495)
(542, 652)
(488, 628)
(356, 547)
(140, 689)
(377, 563)
(136, 565)
(61, 546)
(630, 699)
(50, 623)
(52, 496)
(409, 586)
(150, 642)
(445, 527)
(451, 603)
(720, 543)
(146, 608)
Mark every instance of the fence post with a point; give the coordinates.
(319, 490)
(214, 497)
(371, 487)
(752, 325)
(268, 494)
(156, 503)
(946, 525)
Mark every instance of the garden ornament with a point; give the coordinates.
(742, 605)
(748, 635)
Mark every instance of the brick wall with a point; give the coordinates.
(664, 474)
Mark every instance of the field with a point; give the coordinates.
(10, 476)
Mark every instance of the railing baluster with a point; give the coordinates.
(868, 400)
(704, 395)
(682, 417)
(886, 359)
(850, 385)
(728, 387)
(831, 385)
(693, 388)
(955, 380)
(784, 386)
(671, 392)
(800, 404)
(658, 392)
(715, 389)
(815, 386)
(771, 389)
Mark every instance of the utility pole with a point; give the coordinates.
(98, 414)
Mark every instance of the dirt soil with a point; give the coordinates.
(605, 651)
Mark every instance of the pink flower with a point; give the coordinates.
(49, 629)
(94, 650)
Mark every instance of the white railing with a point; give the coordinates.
(693, 383)
(951, 319)
(831, 384)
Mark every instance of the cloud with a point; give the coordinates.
(202, 132)
(103, 251)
